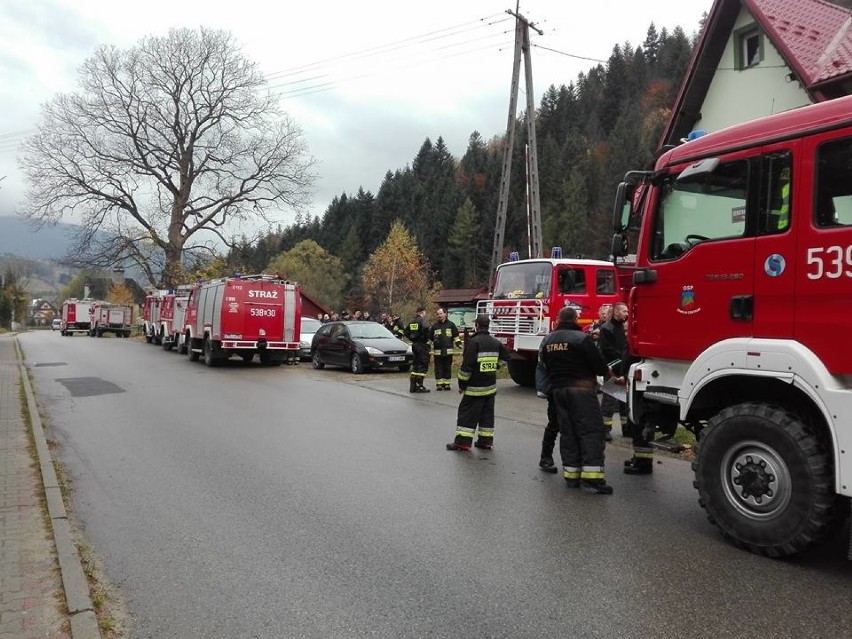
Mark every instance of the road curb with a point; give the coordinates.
(84, 624)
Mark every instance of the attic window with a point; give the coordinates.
(748, 50)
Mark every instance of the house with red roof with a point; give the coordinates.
(758, 57)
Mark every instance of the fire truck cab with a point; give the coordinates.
(528, 295)
(740, 318)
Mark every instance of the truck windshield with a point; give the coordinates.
(523, 280)
(708, 206)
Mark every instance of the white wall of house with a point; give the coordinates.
(737, 96)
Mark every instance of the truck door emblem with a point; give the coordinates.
(687, 302)
(774, 265)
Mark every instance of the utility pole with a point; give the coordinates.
(522, 46)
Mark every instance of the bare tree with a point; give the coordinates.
(165, 147)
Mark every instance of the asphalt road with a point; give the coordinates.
(246, 501)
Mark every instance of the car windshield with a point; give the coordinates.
(369, 330)
(310, 325)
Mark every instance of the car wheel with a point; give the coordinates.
(317, 362)
(355, 365)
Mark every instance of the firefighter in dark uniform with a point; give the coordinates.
(445, 341)
(417, 332)
(573, 362)
(478, 385)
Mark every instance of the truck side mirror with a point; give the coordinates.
(620, 245)
(619, 222)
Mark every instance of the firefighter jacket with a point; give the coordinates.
(478, 370)
(613, 345)
(417, 331)
(571, 358)
(445, 338)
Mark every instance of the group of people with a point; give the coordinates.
(345, 315)
(571, 361)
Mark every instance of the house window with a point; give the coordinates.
(748, 51)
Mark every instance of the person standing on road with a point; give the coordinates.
(573, 362)
(445, 340)
(613, 345)
(478, 387)
(544, 390)
(417, 332)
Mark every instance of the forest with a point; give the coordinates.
(589, 133)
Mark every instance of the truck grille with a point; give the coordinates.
(524, 317)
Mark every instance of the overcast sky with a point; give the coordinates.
(368, 82)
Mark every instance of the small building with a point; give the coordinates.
(310, 307)
(41, 313)
(758, 57)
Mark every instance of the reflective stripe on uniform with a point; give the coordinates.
(641, 452)
(570, 472)
(464, 376)
(592, 472)
(480, 391)
(461, 431)
(486, 432)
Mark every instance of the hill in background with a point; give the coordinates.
(19, 239)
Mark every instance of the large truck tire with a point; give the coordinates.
(209, 358)
(191, 354)
(765, 480)
(522, 372)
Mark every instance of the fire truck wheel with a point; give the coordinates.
(149, 338)
(182, 342)
(765, 480)
(190, 353)
(316, 362)
(522, 372)
(207, 349)
(168, 344)
(355, 364)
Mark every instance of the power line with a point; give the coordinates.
(391, 46)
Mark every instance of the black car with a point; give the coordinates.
(359, 346)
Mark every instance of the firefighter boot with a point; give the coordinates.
(595, 487)
(546, 461)
(412, 384)
(638, 466)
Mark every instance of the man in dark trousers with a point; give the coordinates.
(445, 341)
(573, 362)
(613, 345)
(417, 332)
(478, 387)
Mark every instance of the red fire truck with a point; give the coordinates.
(244, 316)
(173, 319)
(151, 316)
(740, 318)
(75, 316)
(110, 318)
(528, 295)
